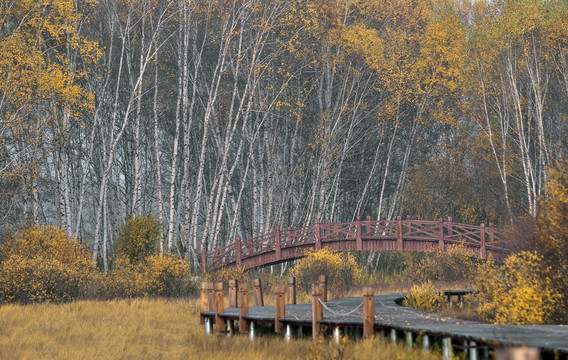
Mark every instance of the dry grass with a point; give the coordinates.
(153, 329)
(404, 287)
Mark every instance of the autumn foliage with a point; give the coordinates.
(552, 230)
(457, 263)
(515, 293)
(41, 263)
(138, 238)
(341, 269)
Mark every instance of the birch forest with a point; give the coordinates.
(226, 118)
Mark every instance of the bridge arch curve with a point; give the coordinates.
(410, 235)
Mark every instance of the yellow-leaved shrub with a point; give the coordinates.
(515, 293)
(42, 263)
(228, 273)
(341, 270)
(455, 264)
(552, 229)
(158, 275)
(425, 297)
(139, 237)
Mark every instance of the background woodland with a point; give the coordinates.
(226, 118)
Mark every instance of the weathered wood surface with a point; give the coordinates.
(390, 315)
(411, 235)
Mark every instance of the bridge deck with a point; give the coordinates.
(385, 235)
(390, 315)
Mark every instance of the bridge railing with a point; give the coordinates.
(443, 233)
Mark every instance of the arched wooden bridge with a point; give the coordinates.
(410, 235)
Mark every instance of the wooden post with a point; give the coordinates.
(219, 308)
(292, 290)
(473, 351)
(277, 245)
(519, 353)
(204, 261)
(243, 308)
(368, 312)
(447, 350)
(399, 245)
(211, 296)
(318, 235)
(239, 251)
(279, 309)
(358, 239)
(233, 285)
(249, 245)
(336, 335)
(440, 235)
(409, 340)
(483, 250)
(317, 311)
(426, 342)
(258, 298)
(322, 280)
(203, 301)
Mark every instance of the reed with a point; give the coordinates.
(154, 329)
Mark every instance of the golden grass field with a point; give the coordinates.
(155, 329)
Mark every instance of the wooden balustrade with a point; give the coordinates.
(408, 234)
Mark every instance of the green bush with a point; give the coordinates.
(138, 238)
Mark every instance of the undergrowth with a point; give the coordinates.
(156, 329)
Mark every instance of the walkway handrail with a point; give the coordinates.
(399, 234)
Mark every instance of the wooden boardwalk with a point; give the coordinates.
(410, 235)
(398, 322)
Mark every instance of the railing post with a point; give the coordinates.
(203, 301)
(359, 240)
(482, 249)
(233, 285)
(440, 235)
(204, 261)
(322, 281)
(317, 311)
(239, 251)
(279, 309)
(399, 245)
(249, 245)
(447, 350)
(368, 312)
(292, 290)
(278, 241)
(318, 235)
(259, 299)
(244, 308)
(219, 308)
(211, 296)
